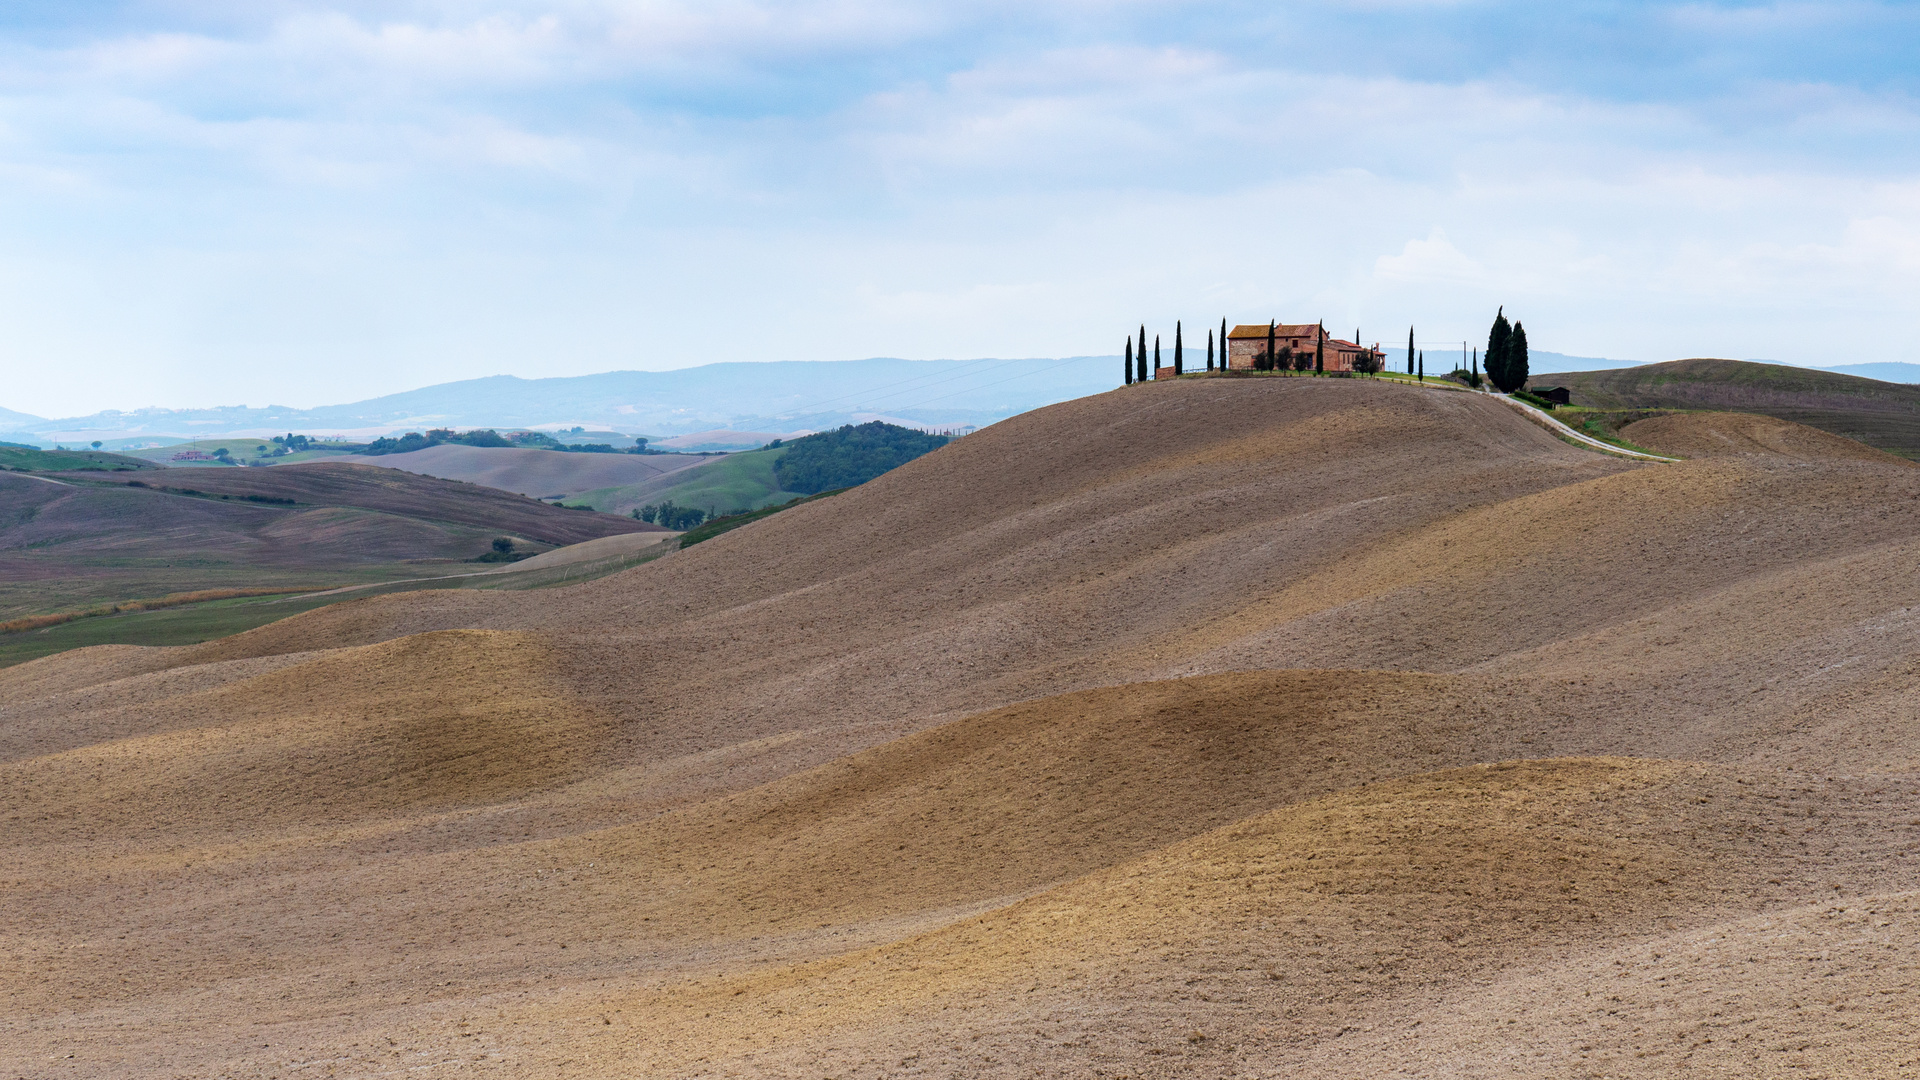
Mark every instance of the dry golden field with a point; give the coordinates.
(1209, 728)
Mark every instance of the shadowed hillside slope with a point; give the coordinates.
(394, 491)
(1881, 414)
(1201, 728)
(72, 540)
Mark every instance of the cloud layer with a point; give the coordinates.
(205, 202)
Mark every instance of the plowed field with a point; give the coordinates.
(1210, 728)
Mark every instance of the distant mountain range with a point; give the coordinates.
(778, 396)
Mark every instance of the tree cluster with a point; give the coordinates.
(534, 440)
(1506, 357)
(850, 455)
(668, 516)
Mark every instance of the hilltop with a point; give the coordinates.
(70, 541)
(1301, 727)
(1880, 414)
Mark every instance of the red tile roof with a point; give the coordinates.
(1284, 330)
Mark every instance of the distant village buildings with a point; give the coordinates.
(1245, 344)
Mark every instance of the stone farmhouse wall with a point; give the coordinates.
(1245, 343)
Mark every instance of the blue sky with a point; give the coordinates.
(210, 202)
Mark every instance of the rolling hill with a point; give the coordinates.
(541, 474)
(1272, 727)
(74, 539)
(1880, 414)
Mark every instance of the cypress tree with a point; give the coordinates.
(1270, 329)
(1209, 348)
(1423, 366)
(1179, 363)
(1498, 340)
(1156, 356)
(1409, 350)
(1223, 344)
(1140, 355)
(1517, 356)
(1320, 350)
(1129, 359)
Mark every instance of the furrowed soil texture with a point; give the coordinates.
(75, 540)
(1203, 728)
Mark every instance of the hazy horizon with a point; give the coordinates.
(332, 200)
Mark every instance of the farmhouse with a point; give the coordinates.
(1247, 343)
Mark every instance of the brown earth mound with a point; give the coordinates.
(1880, 414)
(1202, 728)
(537, 473)
(391, 490)
(85, 539)
(1719, 434)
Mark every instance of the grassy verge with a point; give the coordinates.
(187, 625)
(727, 524)
(201, 596)
(1605, 424)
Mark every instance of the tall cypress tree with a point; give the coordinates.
(1140, 355)
(1320, 350)
(1156, 356)
(1270, 329)
(1129, 359)
(1409, 350)
(1517, 356)
(1179, 364)
(1423, 366)
(1223, 345)
(1209, 348)
(1498, 340)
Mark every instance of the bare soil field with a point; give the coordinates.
(541, 474)
(70, 540)
(1880, 414)
(1215, 728)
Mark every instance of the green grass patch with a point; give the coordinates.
(727, 524)
(239, 452)
(23, 460)
(173, 626)
(742, 481)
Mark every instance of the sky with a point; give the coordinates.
(213, 202)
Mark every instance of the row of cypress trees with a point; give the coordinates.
(1135, 359)
(1506, 358)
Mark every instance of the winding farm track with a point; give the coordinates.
(1211, 728)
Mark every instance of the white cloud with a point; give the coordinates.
(332, 203)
